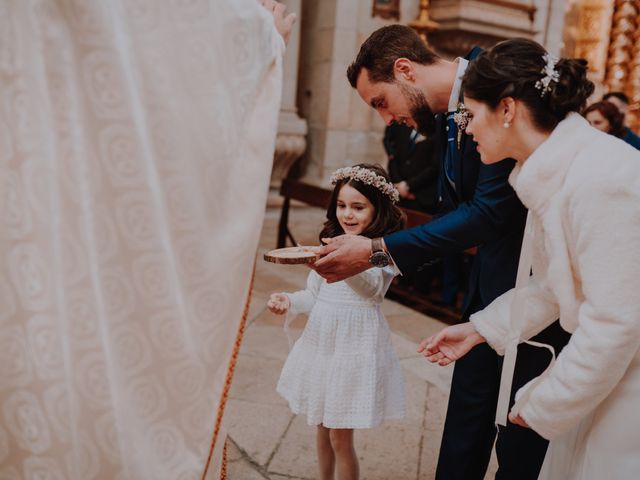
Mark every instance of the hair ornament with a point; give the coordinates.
(550, 74)
(367, 177)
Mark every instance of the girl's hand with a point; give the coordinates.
(278, 303)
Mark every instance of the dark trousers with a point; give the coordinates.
(470, 430)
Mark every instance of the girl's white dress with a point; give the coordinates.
(343, 371)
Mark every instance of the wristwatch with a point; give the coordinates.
(379, 258)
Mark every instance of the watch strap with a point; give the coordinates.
(376, 245)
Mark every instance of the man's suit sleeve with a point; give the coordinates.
(472, 223)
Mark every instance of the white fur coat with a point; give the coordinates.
(583, 190)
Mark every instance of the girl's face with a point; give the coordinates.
(487, 128)
(597, 120)
(354, 210)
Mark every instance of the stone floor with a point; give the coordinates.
(268, 442)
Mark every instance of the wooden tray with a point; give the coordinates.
(291, 256)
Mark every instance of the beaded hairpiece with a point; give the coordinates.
(367, 177)
(550, 74)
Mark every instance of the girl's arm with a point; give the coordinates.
(302, 301)
(372, 283)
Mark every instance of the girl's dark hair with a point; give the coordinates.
(609, 111)
(387, 216)
(512, 68)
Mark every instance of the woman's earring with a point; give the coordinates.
(506, 124)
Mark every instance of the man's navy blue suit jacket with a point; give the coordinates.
(483, 211)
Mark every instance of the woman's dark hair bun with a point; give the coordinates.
(513, 68)
(573, 88)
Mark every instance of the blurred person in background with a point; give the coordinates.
(621, 101)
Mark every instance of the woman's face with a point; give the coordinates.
(488, 131)
(354, 210)
(597, 120)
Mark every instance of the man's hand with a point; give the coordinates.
(283, 24)
(279, 303)
(451, 344)
(343, 257)
(404, 190)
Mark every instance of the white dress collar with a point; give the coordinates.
(454, 99)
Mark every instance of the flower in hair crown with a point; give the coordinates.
(368, 177)
(550, 74)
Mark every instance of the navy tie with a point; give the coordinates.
(452, 133)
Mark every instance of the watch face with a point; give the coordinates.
(379, 259)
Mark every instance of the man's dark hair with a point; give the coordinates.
(619, 95)
(379, 52)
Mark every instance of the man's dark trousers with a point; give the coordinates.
(470, 428)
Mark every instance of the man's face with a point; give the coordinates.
(397, 102)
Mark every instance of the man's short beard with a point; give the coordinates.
(419, 109)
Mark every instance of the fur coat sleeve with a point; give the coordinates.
(540, 310)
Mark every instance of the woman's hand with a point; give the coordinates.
(278, 303)
(518, 420)
(451, 344)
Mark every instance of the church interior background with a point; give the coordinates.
(323, 123)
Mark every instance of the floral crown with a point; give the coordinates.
(368, 177)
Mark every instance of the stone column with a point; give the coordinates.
(589, 22)
(292, 130)
(621, 44)
(623, 64)
(633, 84)
(343, 130)
(549, 23)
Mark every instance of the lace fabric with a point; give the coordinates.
(343, 371)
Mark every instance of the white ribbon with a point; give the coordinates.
(517, 311)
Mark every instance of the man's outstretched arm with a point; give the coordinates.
(492, 210)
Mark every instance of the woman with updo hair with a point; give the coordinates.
(606, 117)
(581, 245)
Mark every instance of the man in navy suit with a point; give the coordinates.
(405, 82)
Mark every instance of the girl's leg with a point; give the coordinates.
(346, 459)
(326, 458)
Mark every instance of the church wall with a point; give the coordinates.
(343, 130)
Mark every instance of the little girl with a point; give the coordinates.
(343, 373)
